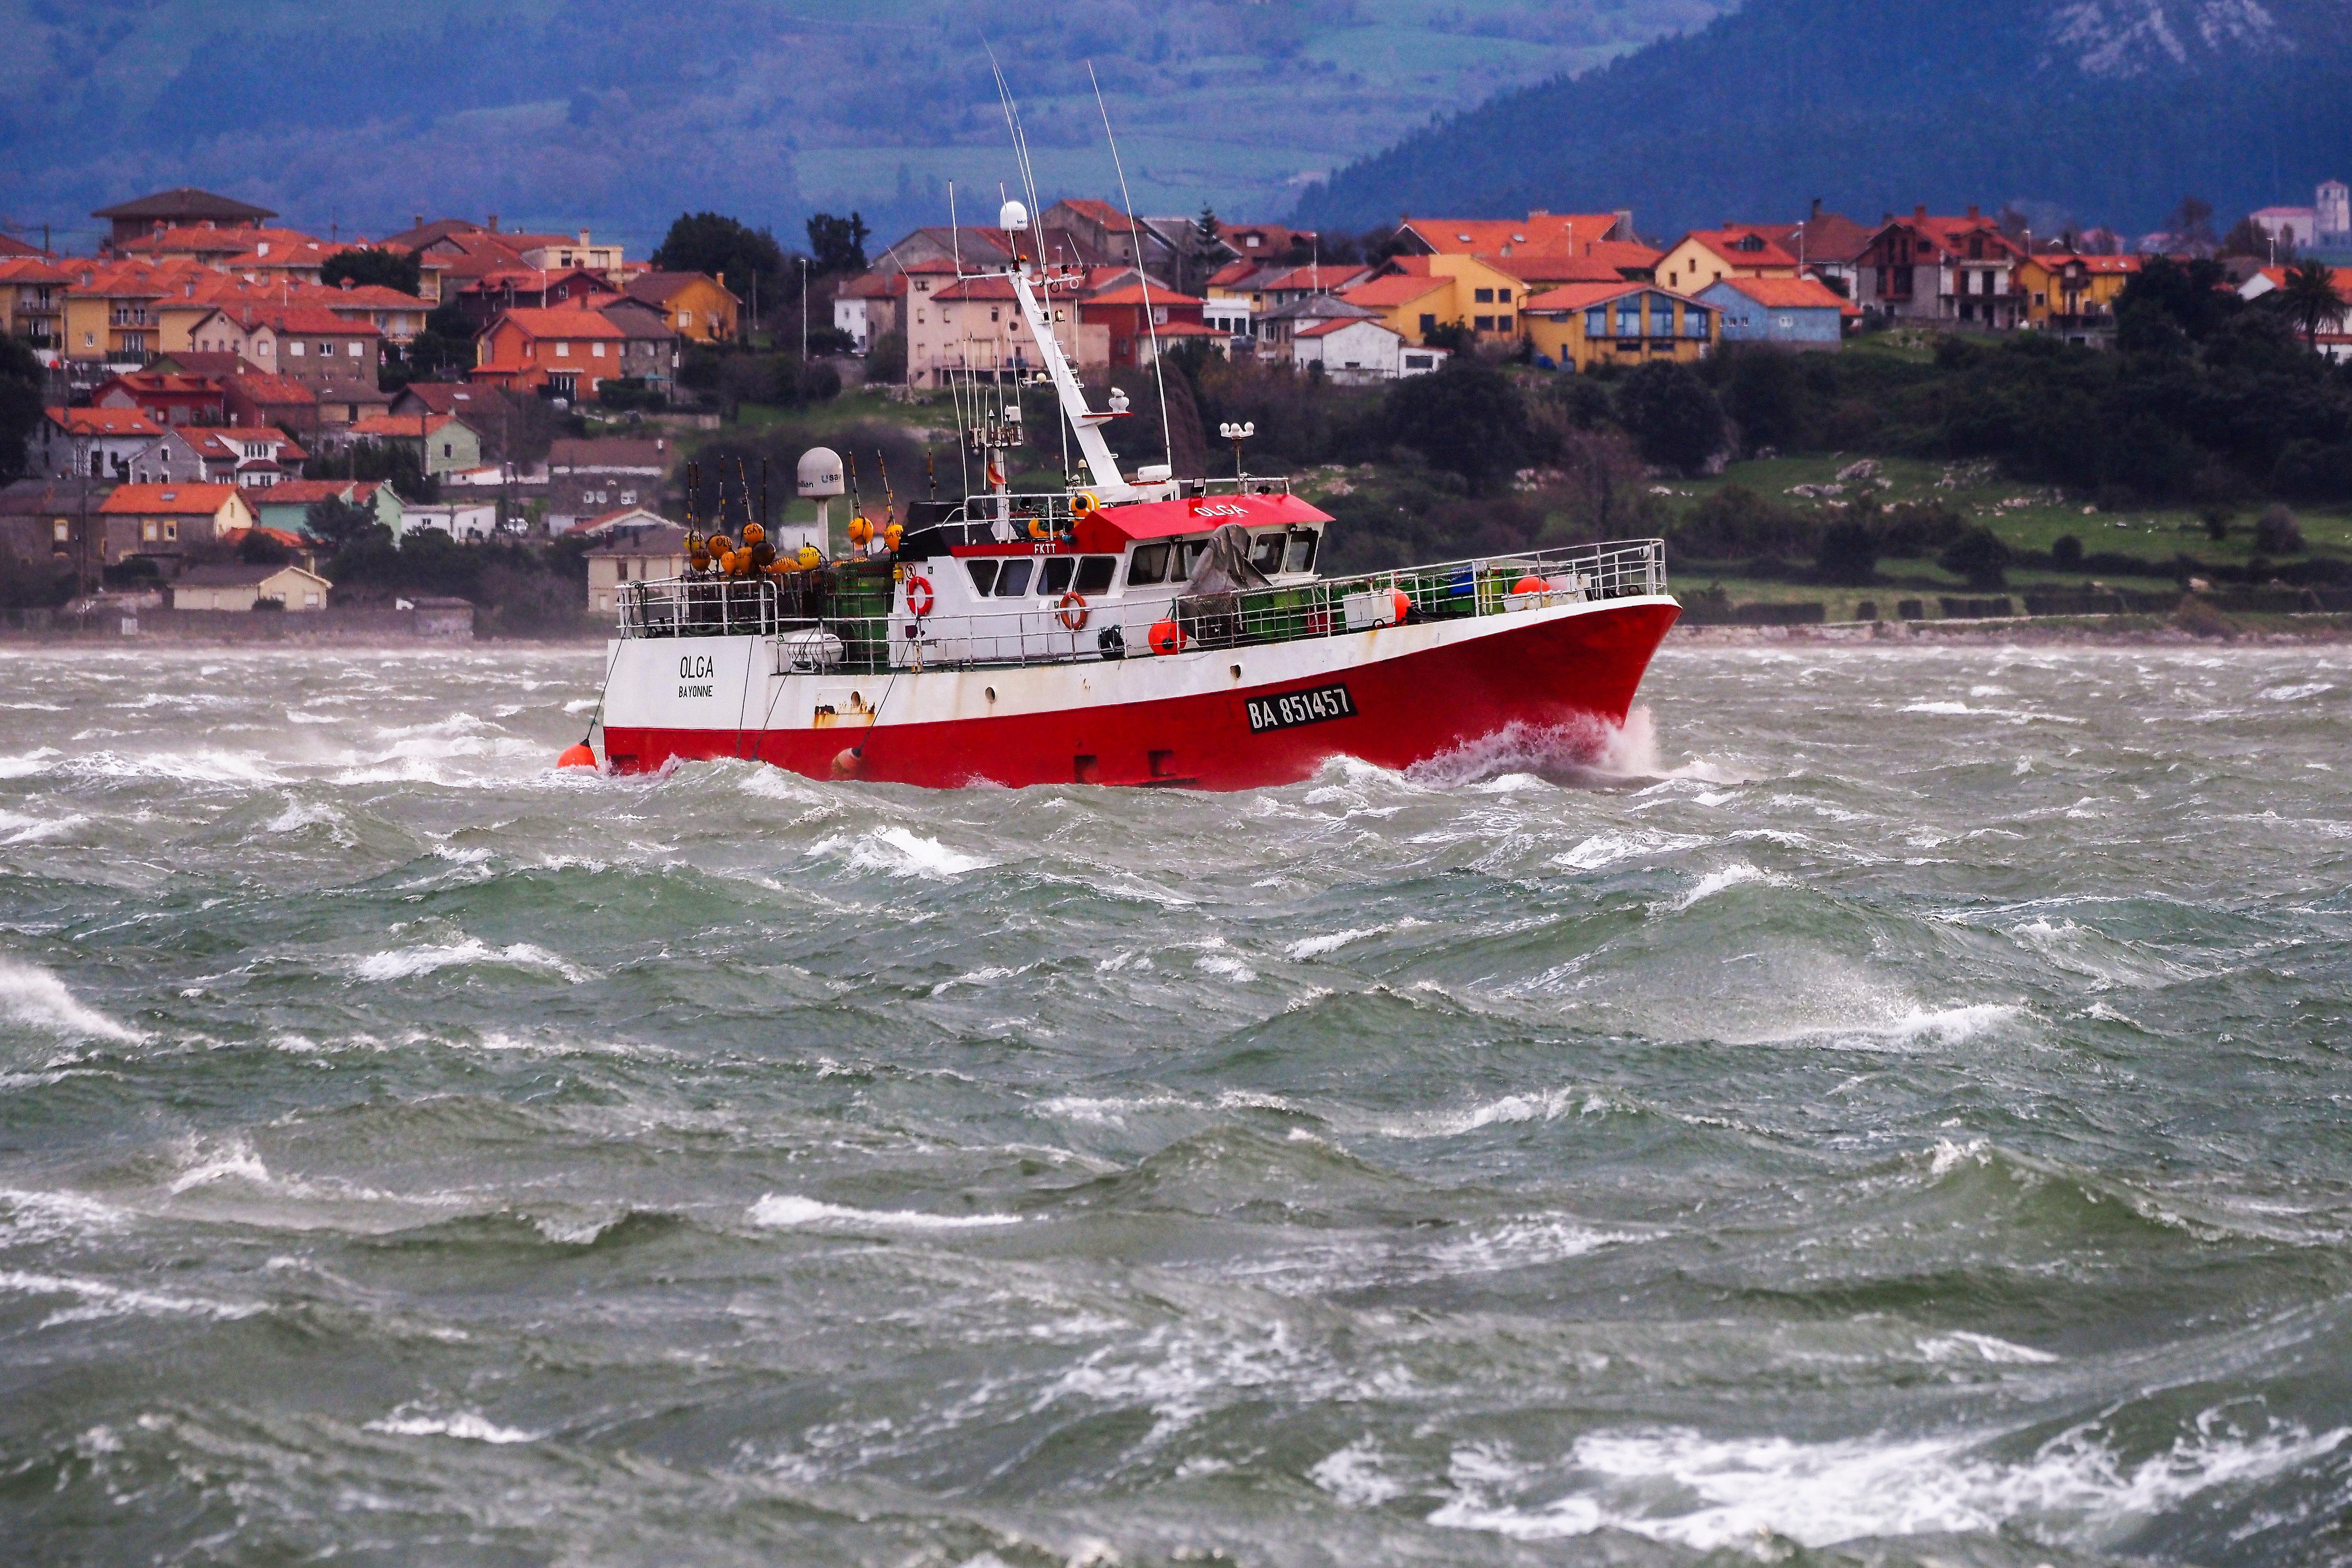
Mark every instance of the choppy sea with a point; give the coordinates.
(1887, 1106)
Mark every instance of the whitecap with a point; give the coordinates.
(465, 1425)
(100, 1300)
(1315, 946)
(1738, 874)
(901, 852)
(401, 964)
(1540, 1106)
(1354, 1476)
(1962, 1345)
(34, 997)
(787, 1211)
(1707, 1493)
(33, 829)
(1607, 848)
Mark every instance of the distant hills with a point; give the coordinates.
(2102, 110)
(359, 114)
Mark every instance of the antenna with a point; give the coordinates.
(1020, 136)
(955, 234)
(1135, 239)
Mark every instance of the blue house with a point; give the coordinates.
(1802, 312)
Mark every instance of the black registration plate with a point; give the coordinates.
(1292, 709)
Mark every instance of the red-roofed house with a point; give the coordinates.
(168, 397)
(700, 308)
(1468, 292)
(1580, 325)
(32, 301)
(1801, 312)
(164, 521)
(867, 306)
(1956, 270)
(2074, 295)
(568, 351)
(1133, 314)
(116, 444)
(335, 358)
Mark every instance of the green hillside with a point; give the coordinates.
(554, 112)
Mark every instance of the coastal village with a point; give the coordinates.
(225, 401)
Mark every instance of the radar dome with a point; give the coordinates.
(820, 472)
(1013, 217)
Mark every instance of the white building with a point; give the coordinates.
(1352, 349)
(459, 520)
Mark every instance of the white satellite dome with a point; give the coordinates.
(821, 472)
(1013, 217)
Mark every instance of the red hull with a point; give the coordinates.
(1409, 708)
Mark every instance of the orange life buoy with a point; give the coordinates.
(1074, 610)
(919, 599)
(1085, 504)
(1040, 529)
(1166, 636)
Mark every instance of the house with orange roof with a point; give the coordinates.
(167, 397)
(1799, 312)
(702, 309)
(162, 522)
(185, 207)
(1580, 325)
(1082, 231)
(565, 352)
(867, 306)
(486, 297)
(336, 358)
(559, 253)
(1501, 240)
(1136, 316)
(2074, 294)
(1468, 292)
(1708, 256)
(110, 309)
(442, 442)
(114, 444)
(1258, 243)
(32, 301)
(1958, 270)
(977, 325)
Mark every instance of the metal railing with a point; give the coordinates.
(804, 617)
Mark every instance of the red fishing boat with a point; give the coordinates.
(1130, 629)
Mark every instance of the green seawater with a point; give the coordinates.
(1890, 1106)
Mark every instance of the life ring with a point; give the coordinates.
(1085, 504)
(920, 598)
(1074, 610)
(1040, 529)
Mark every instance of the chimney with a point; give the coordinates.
(1538, 212)
(494, 222)
(583, 234)
(1817, 209)
(1972, 209)
(419, 222)
(1919, 213)
(1624, 228)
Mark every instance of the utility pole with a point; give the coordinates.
(803, 310)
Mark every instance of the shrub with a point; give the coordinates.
(1979, 556)
(2277, 534)
(2067, 552)
(1918, 529)
(1673, 415)
(1736, 521)
(1848, 554)
(2217, 523)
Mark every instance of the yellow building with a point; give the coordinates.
(2062, 289)
(1415, 295)
(111, 314)
(1582, 325)
(1705, 256)
(701, 309)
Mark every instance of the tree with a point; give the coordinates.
(2310, 299)
(259, 549)
(1204, 228)
(1979, 556)
(20, 404)
(837, 244)
(2277, 534)
(2067, 552)
(1467, 418)
(339, 524)
(719, 247)
(2247, 238)
(375, 267)
(2191, 223)
(1672, 415)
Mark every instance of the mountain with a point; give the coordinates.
(358, 115)
(2105, 110)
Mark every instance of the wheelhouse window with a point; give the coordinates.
(1095, 573)
(1012, 580)
(983, 576)
(1188, 556)
(1265, 552)
(1300, 557)
(1054, 580)
(1148, 565)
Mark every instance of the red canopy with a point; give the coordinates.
(1114, 528)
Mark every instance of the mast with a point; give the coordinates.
(1084, 424)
